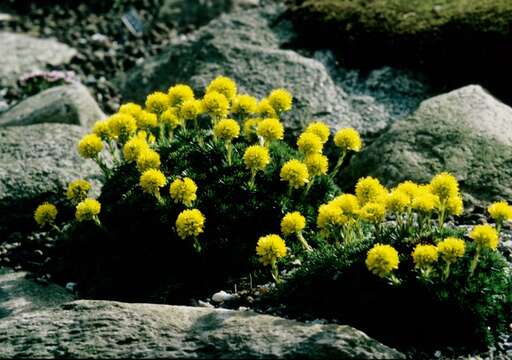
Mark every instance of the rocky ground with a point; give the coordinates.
(411, 129)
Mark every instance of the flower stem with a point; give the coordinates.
(446, 271)
(275, 272)
(303, 242)
(474, 262)
(338, 164)
(229, 150)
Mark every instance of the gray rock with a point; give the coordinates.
(23, 53)
(466, 132)
(246, 46)
(68, 104)
(102, 329)
(36, 164)
(19, 294)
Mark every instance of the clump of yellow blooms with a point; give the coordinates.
(309, 144)
(131, 109)
(148, 159)
(425, 202)
(317, 164)
(280, 100)
(190, 224)
(397, 202)
(226, 129)
(500, 212)
(292, 224)
(373, 212)
(369, 189)
(90, 146)
(244, 105)
(250, 126)
(265, 110)
(348, 139)
(170, 119)
(184, 191)
(295, 173)
(256, 158)
(424, 256)
(78, 190)
(270, 248)
(329, 217)
(88, 210)
(444, 185)
(157, 102)
(151, 181)
(409, 188)
(122, 126)
(216, 105)
(348, 204)
(45, 214)
(190, 109)
(451, 250)
(133, 148)
(485, 236)
(179, 93)
(146, 120)
(381, 260)
(101, 129)
(222, 85)
(319, 129)
(270, 129)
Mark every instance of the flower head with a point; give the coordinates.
(295, 172)
(256, 157)
(90, 146)
(216, 104)
(157, 102)
(329, 216)
(179, 93)
(222, 85)
(45, 214)
(408, 188)
(184, 191)
(190, 223)
(280, 100)
(320, 129)
(101, 129)
(500, 211)
(270, 129)
(451, 249)
(373, 212)
(131, 109)
(444, 185)
(244, 105)
(397, 202)
(348, 139)
(151, 181)
(191, 109)
(226, 129)
(170, 118)
(293, 223)
(265, 110)
(270, 248)
(309, 143)
(148, 159)
(133, 148)
(348, 203)
(382, 260)
(424, 255)
(122, 126)
(78, 190)
(250, 127)
(425, 202)
(369, 189)
(87, 210)
(454, 206)
(146, 120)
(485, 236)
(317, 164)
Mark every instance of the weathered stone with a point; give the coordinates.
(23, 53)
(19, 294)
(68, 104)
(466, 132)
(36, 164)
(102, 329)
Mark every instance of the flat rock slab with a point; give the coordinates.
(67, 104)
(23, 53)
(103, 329)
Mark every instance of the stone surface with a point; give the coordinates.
(23, 53)
(36, 164)
(68, 104)
(246, 46)
(19, 294)
(466, 132)
(102, 329)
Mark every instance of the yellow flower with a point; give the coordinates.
(222, 85)
(133, 147)
(184, 191)
(485, 236)
(190, 223)
(348, 139)
(408, 188)
(256, 157)
(157, 102)
(78, 190)
(216, 105)
(191, 109)
(131, 109)
(500, 211)
(309, 143)
(329, 216)
(454, 206)
(101, 129)
(90, 146)
(369, 189)
(295, 172)
(348, 203)
(250, 129)
(170, 118)
(226, 129)
(87, 210)
(397, 202)
(270, 129)
(451, 249)
(424, 255)
(151, 181)
(179, 93)
(317, 164)
(146, 120)
(425, 202)
(280, 100)
(122, 126)
(265, 110)
(293, 223)
(148, 159)
(45, 214)
(320, 129)
(373, 212)
(244, 105)
(445, 186)
(382, 260)
(270, 248)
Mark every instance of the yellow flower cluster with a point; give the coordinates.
(151, 181)
(88, 210)
(500, 211)
(329, 216)
(157, 102)
(373, 212)
(451, 249)
(381, 260)
(424, 255)
(222, 85)
(78, 190)
(133, 148)
(309, 144)
(179, 93)
(270, 129)
(265, 110)
(45, 214)
(190, 223)
(148, 159)
(184, 191)
(369, 189)
(270, 248)
(244, 105)
(293, 223)
(317, 164)
(348, 139)
(280, 100)
(295, 173)
(319, 129)
(226, 129)
(256, 157)
(485, 236)
(90, 146)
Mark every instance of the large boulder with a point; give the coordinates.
(36, 163)
(23, 53)
(246, 46)
(68, 104)
(20, 294)
(467, 132)
(102, 329)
